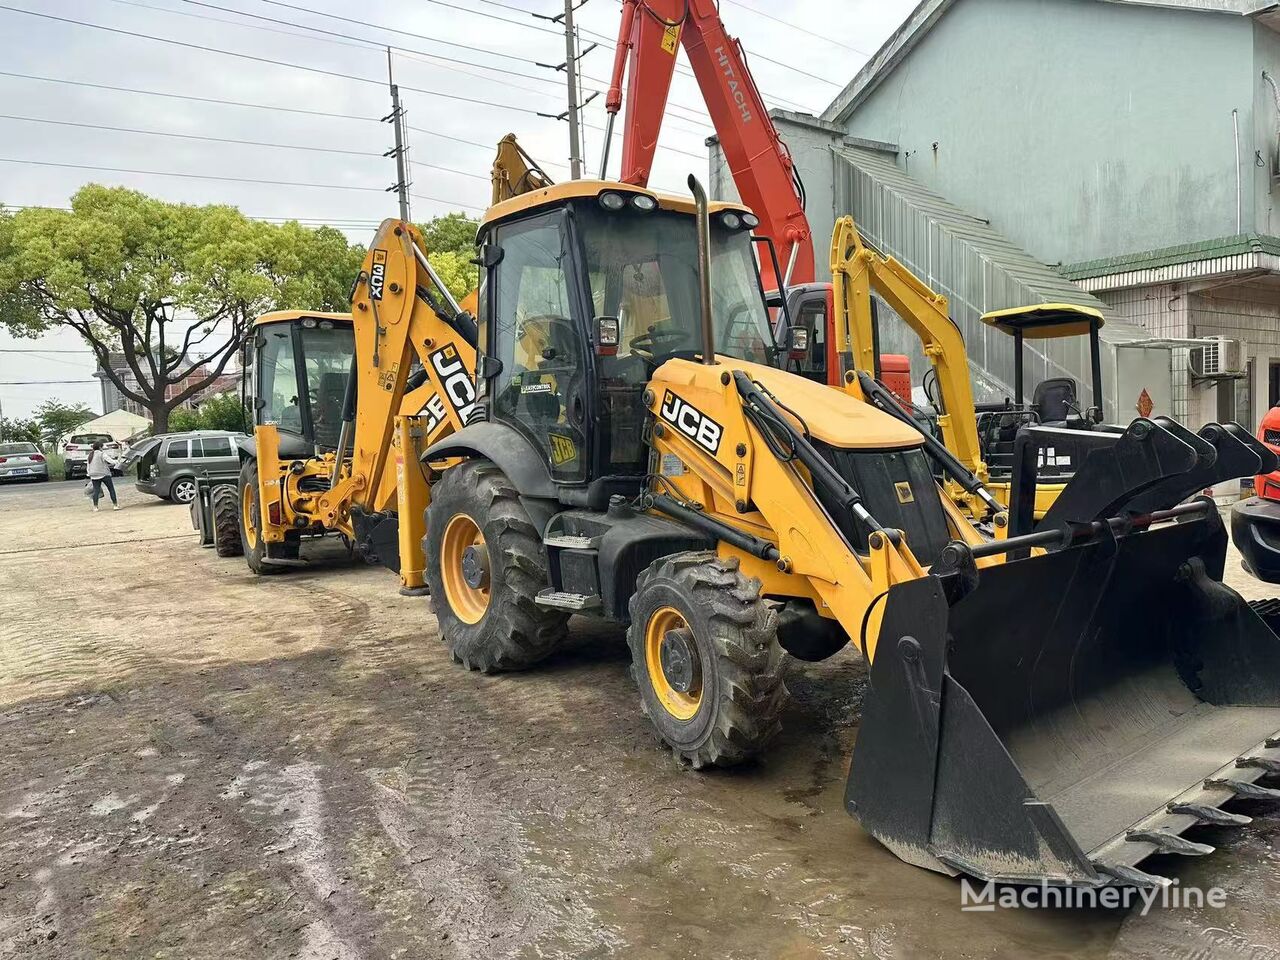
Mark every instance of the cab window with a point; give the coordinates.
(278, 401)
(539, 388)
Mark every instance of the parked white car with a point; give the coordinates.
(76, 452)
(22, 461)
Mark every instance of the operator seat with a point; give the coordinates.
(1054, 400)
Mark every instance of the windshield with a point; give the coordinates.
(323, 354)
(91, 438)
(643, 269)
(16, 448)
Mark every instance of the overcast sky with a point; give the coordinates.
(460, 49)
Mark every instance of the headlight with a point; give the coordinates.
(613, 202)
(644, 203)
(731, 221)
(750, 221)
(326, 324)
(308, 322)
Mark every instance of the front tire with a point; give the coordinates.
(705, 654)
(252, 544)
(485, 565)
(225, 505)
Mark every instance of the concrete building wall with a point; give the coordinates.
(1079, 129)
(1260, 166)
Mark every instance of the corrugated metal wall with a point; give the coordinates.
(973, 266)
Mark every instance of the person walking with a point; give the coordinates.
(98, 470)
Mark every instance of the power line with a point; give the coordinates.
(205, 176)
(181, 96)
(233, 23)
(795, 26)
(422, 53)
(351, 222)
(237, 103)
(267, 60)
(191, 136)
(231, 140)
(681, 68)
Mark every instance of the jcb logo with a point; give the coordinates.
(377, 274)
(692, 422)
(455, 379)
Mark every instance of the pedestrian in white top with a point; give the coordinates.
(98, 470)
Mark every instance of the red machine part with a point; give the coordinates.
(1267, 485)
(648, 40)
(895, 373)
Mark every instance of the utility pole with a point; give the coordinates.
(570, 68)
(396, 119)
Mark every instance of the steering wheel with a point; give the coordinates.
(654, 341)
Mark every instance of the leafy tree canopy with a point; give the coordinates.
(168, 289)
(57, 419)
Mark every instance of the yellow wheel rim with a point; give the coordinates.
(249, 516)
(680, 704)
(468, 602)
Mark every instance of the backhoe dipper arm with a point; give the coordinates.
(758, 160)
(401, 312)
(857, 272)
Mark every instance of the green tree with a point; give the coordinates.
(19, 429)
(454, 232)
(224, 412)
(57, 419)
(162, 293)
(457, 272)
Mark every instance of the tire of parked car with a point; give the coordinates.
(225, 503)
(183, 490)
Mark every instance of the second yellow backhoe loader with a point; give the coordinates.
(343, 402)
(1055, 707)
(343, 406)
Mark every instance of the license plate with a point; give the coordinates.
(20, 471)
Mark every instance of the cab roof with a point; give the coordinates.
(558, 193)
(1045, 321)
(284, 316)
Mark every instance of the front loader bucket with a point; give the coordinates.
(1063, 717)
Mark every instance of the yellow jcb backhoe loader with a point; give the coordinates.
(1057, 706)
(343, 406)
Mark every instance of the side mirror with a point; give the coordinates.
(490, 255)
(798, 342)
(607, 335)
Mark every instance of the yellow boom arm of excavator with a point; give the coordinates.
(856, 273)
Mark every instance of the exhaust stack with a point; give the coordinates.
(704, 270)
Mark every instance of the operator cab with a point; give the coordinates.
(597, 288)
(1055, 401)
(301, 364)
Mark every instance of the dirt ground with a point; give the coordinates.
(200, 763)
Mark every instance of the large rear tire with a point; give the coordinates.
(485, 565)
(705, 654)
(225, 504)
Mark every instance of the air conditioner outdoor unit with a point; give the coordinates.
(1218, 358)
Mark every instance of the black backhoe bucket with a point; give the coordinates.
(1061, 718)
